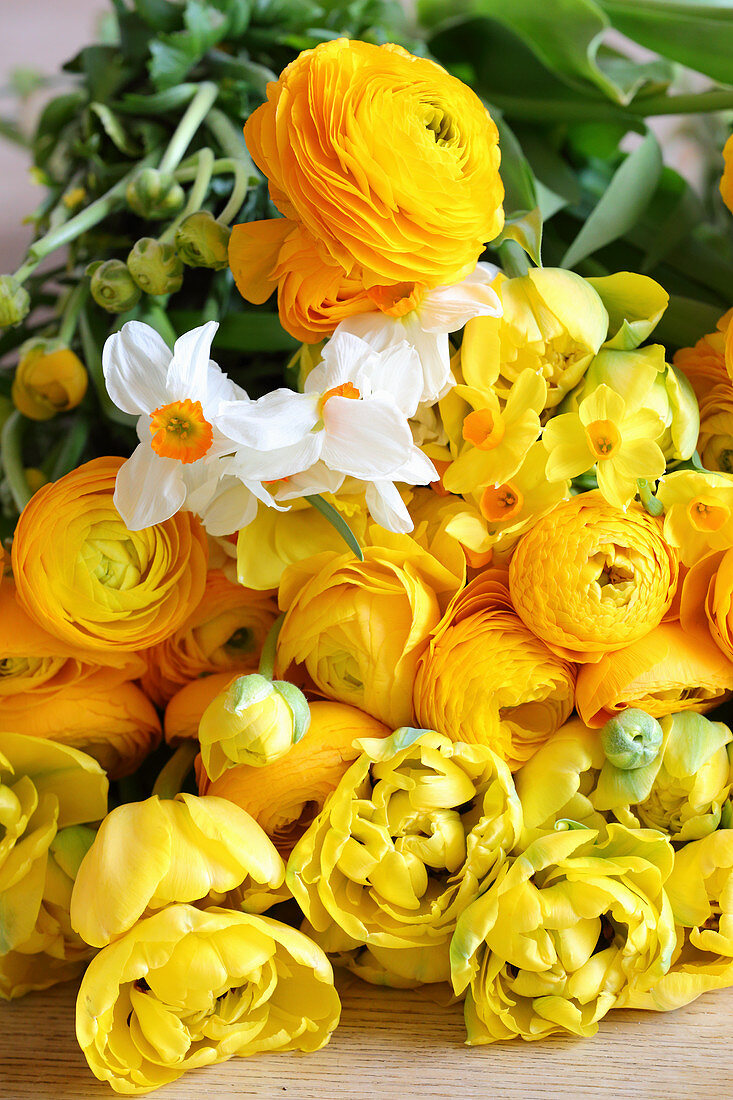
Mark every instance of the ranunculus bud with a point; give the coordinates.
(113, 287)
(153, 194)
(253, 721)
(202, 241)
(632, 739)
(49, 379)
(155, 267)
(15, 301)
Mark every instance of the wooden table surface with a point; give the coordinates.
(392, 1044)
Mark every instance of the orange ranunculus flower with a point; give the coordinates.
(706, 606)
(360, 628)
(705, 364)
(90, 581)
(665, 672)
(284, 797)
(114, 723)
(183, 713)
(225, 632)
(715, 441)
(387, 160)
(486, 679)
(590, 579)
(726, 181)
(36, 667)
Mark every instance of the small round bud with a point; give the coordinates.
(49, 379)
(155, 267)
(202, 241)
(153, 194)
(15, 301)
(113, 287)
(632, 739)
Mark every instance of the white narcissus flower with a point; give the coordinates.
(176, 396)
(426, 327)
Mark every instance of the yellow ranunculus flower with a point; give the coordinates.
(486, 679)
(186, 988)
(48, 380)
(92, 583)
(700, 890)
(715, 442)
(666, 671)
(149, 854)
(253, 721)
(416, 827)
(726, 180)
(390, 163)
(47, 794)
(681, 792)
(225, 632)
(698, 512)
(553, 323)
(360, 628)
(611, 580)
(566, 928)
(284, 797)
(706, 604)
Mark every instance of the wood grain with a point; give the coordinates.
(394, 1044)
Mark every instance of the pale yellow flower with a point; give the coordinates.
(698, 512)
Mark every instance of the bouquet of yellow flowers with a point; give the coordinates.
(411, 657)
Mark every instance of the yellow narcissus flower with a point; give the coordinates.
(150, 854)
(726, 180)
(413, 831)
(48, 794)
(681, 792)
(360, 628)
(88, 580)
(284, 797)
(611, 580)
(566, 928)
(700, 890)
(666, 671)
(225, 632)
(486, 679)
(253, 721)
(614, 436)
(48, 380)
(496, 440)
(553, 323)
(185, 989)
(390, 163)
(698, 512)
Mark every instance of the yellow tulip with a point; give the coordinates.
(360, 628)
(486, 679)
(553, 324)
(415, 829)
(565, 929)
(49, 379)
(150, 854)
(48, 793)
(185, 989)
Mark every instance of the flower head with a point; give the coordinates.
(698, 512)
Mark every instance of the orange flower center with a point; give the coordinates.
(603, 438)
(397, 300)
(345, 390)
(707, 517)
(181, 431)
(501, 502)
(483, 429)
(441, 465)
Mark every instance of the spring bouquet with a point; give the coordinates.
(366, 592)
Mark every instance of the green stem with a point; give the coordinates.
(513, 259)
(192, 118)
(649, 502)
(156, 316)
(93, 363)
(336, 520)
(71, 449)
(172, 776)
(269, 649)
(230, 138)
(197, 193)
(238, 195)
(11, 454)
(73, 308)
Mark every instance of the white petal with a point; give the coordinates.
(316, 479)
(448, 308)
(343, 355)
(379, 330)
(277, 420)
(250, 464)
(189, 368)
(367, 439)
(232, 508)
(418, 470)
(387, 507)
(134, 362)
(148, 489)
(433, 349)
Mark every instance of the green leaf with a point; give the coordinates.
(174, 55)
(114, 130)
(523, 221)
(623, 203)
(337, 521)
(159, 15)
(244, 332)
(104, 70)
(685, 321)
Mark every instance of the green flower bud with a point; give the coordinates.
(153, 194)
(202, 241)
(155, 267)
(632, 739)
(253, 721)
(113, 287)
(15, 301)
